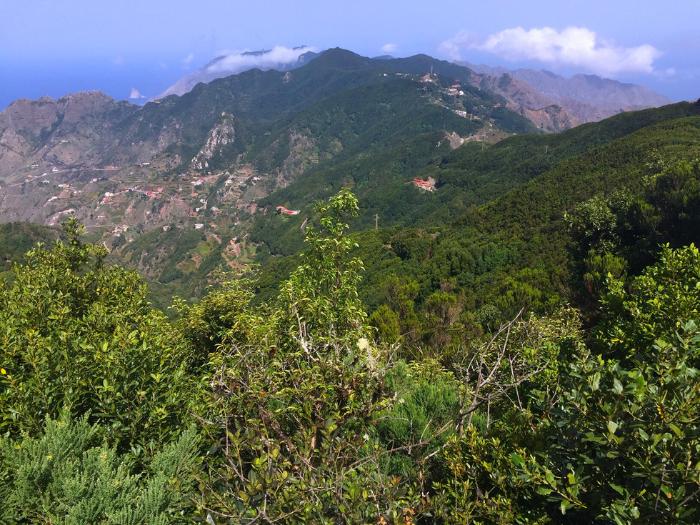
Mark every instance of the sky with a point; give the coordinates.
(139, 48)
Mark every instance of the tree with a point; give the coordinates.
(387, 324)
(321, 297)
(296, 386)
(503, 380)
(653, 305)
(442, 311)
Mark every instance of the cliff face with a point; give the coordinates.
(73, 130)
(222, 134)
(533, 105)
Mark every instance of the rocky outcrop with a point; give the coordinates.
(550, 118)
(302, 155)
(531, 104)
(222, 134)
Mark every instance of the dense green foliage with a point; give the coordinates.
(80, 335)
(296, 385)
(498, 232)
(65, 475)
(533, 361)
(475, 174)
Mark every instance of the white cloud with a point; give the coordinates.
(135, 94)
(187, 61)
(277, 56)
(389, 48)
(234, 62)
(573, 46)
(454, 46)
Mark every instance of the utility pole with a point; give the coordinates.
(376, 221)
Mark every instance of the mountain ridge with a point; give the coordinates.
(187, 184)
(218, 68)
(553, 103)
(194, 168)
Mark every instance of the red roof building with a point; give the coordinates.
(424, 184)
(281, 210)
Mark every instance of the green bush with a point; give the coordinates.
(653, 305)
(65, 475)
(79, 334)
(621, 433)
(296, 386)
(422, 417)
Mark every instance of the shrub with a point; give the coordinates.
(77, 333)
(64, 475)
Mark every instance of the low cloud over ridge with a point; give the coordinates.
(573, 46)
(236, 62)
(231, 63)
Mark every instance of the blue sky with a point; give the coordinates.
(52, 47)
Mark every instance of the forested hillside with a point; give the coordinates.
(304, 409)
(18, 238)
(496, 234)
(512, 337)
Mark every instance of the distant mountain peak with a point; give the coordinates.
(341, 57)
(583, 97)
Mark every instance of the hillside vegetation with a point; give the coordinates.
(18, 238)
(302, 408)
(519, 346)
(495, 234)
(205, 162)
